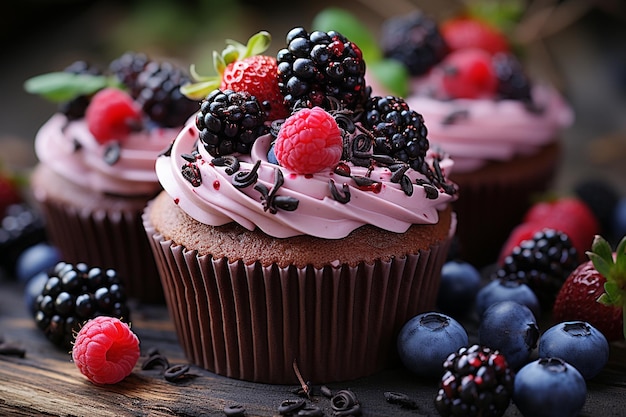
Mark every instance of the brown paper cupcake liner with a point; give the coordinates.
(493, 200)
(106, 239)
(252, 322)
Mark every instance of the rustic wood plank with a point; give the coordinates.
(46, 382)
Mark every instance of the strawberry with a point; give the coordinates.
(570, 215)
(466, 32)
(258, 76)
(469, 73)
(596, 291)
(242, 68)
(112, 114)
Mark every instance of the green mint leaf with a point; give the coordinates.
(65, 86)
(392, 75)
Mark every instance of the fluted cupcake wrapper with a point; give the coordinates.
(106, 239)
(252, 322)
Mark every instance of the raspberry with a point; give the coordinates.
(469, 73)
(106, 350)
(309, 141)
(112, 115)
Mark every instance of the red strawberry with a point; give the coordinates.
(112, 114)
(595, 293)
(469, 73)
(9, 192)
(258, 75)
(570, 215)
(242, 68)
(465, 32)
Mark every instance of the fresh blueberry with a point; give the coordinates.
(619, 219)
(35, 259)
(549, 387)
(460, 282)
(579, 344)
(426, 340)
(512, 329)
(34, 287)
(271, 156)
(507, 290)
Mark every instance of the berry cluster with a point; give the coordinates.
(318, 66)
(323, 70)
(74, 294)
(470, 58)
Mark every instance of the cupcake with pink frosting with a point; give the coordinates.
(96, 161)
(501, 128)
(298, 247)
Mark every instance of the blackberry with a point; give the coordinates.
(321, 69)
(414, 40)
(512, 80)
(75, 109)
(398, 131)
(157, 90)
(477, 382)
(230, 122)
(128, 67)
(74, 294)
(21, 227)
(543, 263)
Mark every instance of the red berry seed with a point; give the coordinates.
(106, 350)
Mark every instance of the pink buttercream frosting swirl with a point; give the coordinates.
(71, 151)
(476, 131)
(216, 200)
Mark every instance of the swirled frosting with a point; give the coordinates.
(71, 151)
(208, 194)
(476, 131)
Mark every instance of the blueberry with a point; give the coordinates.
(35, 259)
(459, 284)
(426, 340)
(507, 290)
(271, 156)
(619, 219)
(34, 287)
(549, 387)
(579, 344)
(512, 329)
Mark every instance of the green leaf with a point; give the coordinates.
(257, 44)
(620, 261)
(199, 90)
(624, 320)
(218, 62)
(613, 293)
(602, 248)
(601, 265)
(231, 54)
(392, 75)
(196, 76)
(65, 86)
(344, 22)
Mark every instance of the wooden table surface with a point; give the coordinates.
(46, 382)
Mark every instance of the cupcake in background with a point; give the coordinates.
(300, 246)
(96, 161)
(501, 128)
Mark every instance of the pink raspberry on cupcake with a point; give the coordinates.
(106, 350)
(309, 141)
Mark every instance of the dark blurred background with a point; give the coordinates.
(578, 45)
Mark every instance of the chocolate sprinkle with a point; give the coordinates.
(191, 173)
(341, 198)
(112, 152)
(229, 161)
(455, 116)
(245, 179)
